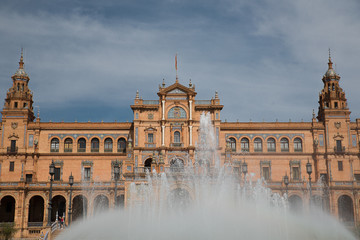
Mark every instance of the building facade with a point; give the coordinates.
(162, 137)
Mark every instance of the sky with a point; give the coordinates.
(266, 58)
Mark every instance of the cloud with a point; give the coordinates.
(266, 58)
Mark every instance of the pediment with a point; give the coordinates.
(177, 88)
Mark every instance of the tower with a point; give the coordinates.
(18, 101)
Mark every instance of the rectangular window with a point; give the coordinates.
(12, 166)
(340, 166)
(295, 173)
(266, 173)
(136, 137)
(217, 115)
(57, 174)
(87, 174)
(150, 137)
(13, 146)
(16, 105)
(338, 146)
(28, 178)
(357, 177)
(128, 168)
(136, 115)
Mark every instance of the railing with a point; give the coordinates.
(151, 102)
(339, 149)
(152, 145)
(108, 150)
(81, 150)
(203, 102)
(121, 150)
(54, 150)
(94, 149)
(35, 224)
(67, 149)
(54, 226)
(12, 150)
(298, 150)
(176, 144)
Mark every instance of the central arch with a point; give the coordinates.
(346, 209)
(58, 207)
(179, 198)
(79, 207)
(295, 203)
(101, 203)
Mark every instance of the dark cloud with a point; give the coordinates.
(86, 59)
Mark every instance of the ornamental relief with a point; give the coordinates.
(337, 125)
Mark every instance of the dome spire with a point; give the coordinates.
(330, 62)
(21, 63)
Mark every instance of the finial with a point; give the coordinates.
(163, 83)
(330, 62)
(137, 94)
(216, 95)
(190, 84)
(21, 63)
(313, 114)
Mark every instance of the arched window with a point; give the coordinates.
(284, 145)
(298, 145)
(177, 137)
(81, 145)
(258, 145)
(108, 145)
(95, 145)
(245, 145)
(121, 145)
(271, 146)
(54, 145)
(147, 165)
(232, 144)
(68, 145)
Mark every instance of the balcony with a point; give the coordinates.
(94, 149)
(81, 150)
(12, 150)
(339, 150)
(67, 149)
(176, 144)
(107, 150)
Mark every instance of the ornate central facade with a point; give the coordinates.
(162, 138)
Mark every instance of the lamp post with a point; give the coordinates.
(286, 182)
(71, 182)
(51, 172)
(116, 177)
(309, 171)
(244, 169)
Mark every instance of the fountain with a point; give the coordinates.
(199, 202)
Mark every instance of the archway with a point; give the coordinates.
(346, 209)
(7, 209)
(79, 207)
(58, 207)
(36, 211)
(101, 203)
(177, 165)
(295, 203)
(317, 201)
(120, 201)
(179, 198)
(147, 165)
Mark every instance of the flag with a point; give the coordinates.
(176, 62)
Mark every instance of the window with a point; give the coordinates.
(121, 146)
(150, 137)
(28, 178)
(12, 166)
(336, 105)
(13, 147)
(108, 146)
(54, 147)
(244, 145)
(81, 145)
(57, 174)
(232, 144)
(295, 173)
(95, 145)
(16, 105)
(284, 145)
(271, 145)
(338, 146)
(68, 144)
(266, 173)
(298, 145)
(357, 177)
(177, 137)
(258, 145)
(340, 166)
(87, 173)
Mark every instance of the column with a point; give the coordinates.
(190, 135)
(163, 109)
(163, 135)
(190, 109)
